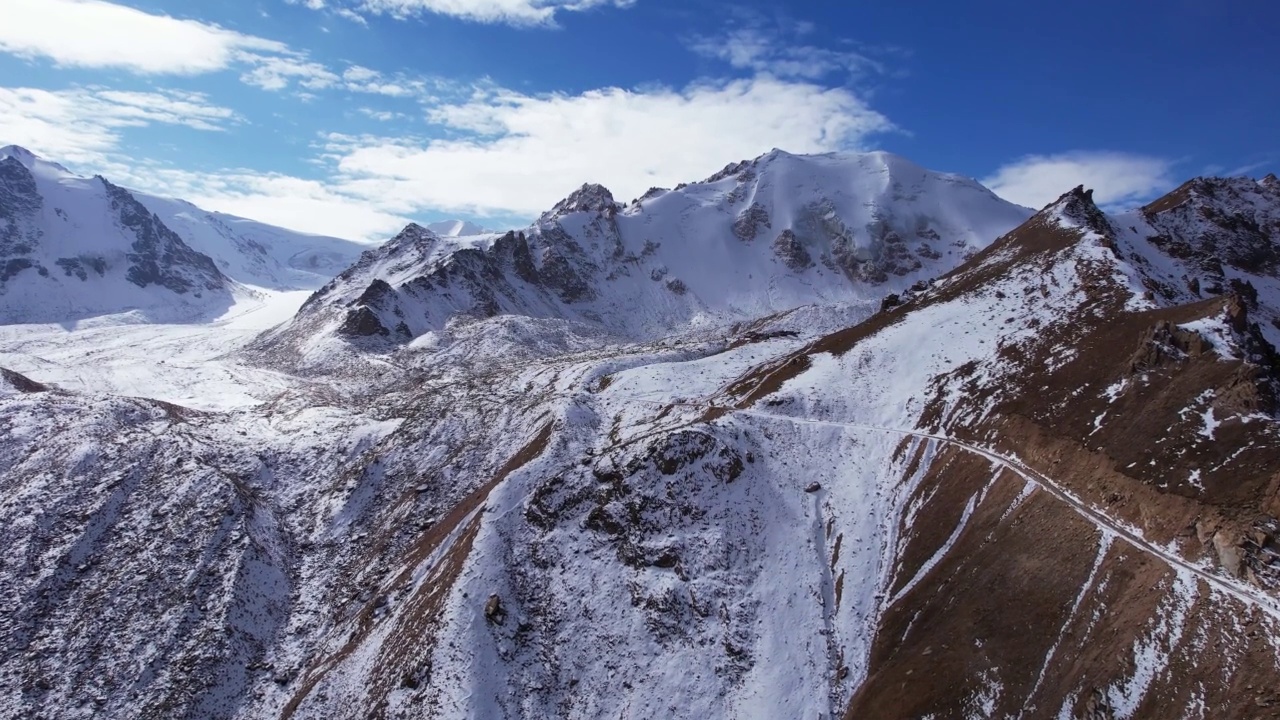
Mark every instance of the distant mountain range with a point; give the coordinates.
(75, 247)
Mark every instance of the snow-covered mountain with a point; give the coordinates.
(1208, 237)
(1035, 480)
(760, 237)
(254, 253)
(73, 247)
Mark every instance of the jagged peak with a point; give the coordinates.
(1218, 191)
(1078, 206)
(591, 197)
(731, 170)
(413, 234)
(414, 228)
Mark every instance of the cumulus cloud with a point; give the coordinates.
(519, 154)
(381, 115)
(1118, 179)
(497, 153)
(100, 34)
(484, 150)
(366, 80)
(278, 73)
(784, 47)
(84, 125)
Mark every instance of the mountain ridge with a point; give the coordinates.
(251, 254)
(88, 246)
(1035, 478)
(762, 236)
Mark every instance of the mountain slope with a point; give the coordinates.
(1210, 236)
(1125, 416)
(73, 247)
(254, 253)
(1035, 487)
(760, 237)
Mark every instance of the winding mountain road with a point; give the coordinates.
(1228, 586)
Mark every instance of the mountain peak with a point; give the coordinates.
(29, 159)
(730, 170)
(1270, 181)
(18, 153)
(414, 233)
(591, 197)
(1078, 205)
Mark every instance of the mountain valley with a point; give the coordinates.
(825, 436)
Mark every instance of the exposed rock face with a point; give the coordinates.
(159, 256)
(1033, 487)
(493, 611)
(513, 249)
(19, 198)
(94, 255)
(362, 322)
(565, 267)
(1217, 223)
(1229, 555)
(588, 198)
(846, 229)
(792, 251)
(18, 193)
(20, 382)
(751, 222)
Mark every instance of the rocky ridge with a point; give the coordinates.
(761, 237)
(73, 248)
(1039, 483)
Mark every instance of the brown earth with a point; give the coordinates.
(1031, 596)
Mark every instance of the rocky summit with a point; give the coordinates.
(827, 436)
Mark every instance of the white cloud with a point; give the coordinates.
(519, 154)
(99, 34)
(490, 152)
(94, 33)
(352, 15)
(1118, 179)
(300, 204)
(769, 50)
(84, 124)
(512, 12)
(361, 79)
(507, 155)
(381, 115)
(782, 47)
(277, 73)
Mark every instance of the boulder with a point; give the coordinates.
(1229, 555)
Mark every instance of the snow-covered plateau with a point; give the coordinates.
(817, 437)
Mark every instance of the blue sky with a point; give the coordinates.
(351, 117)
